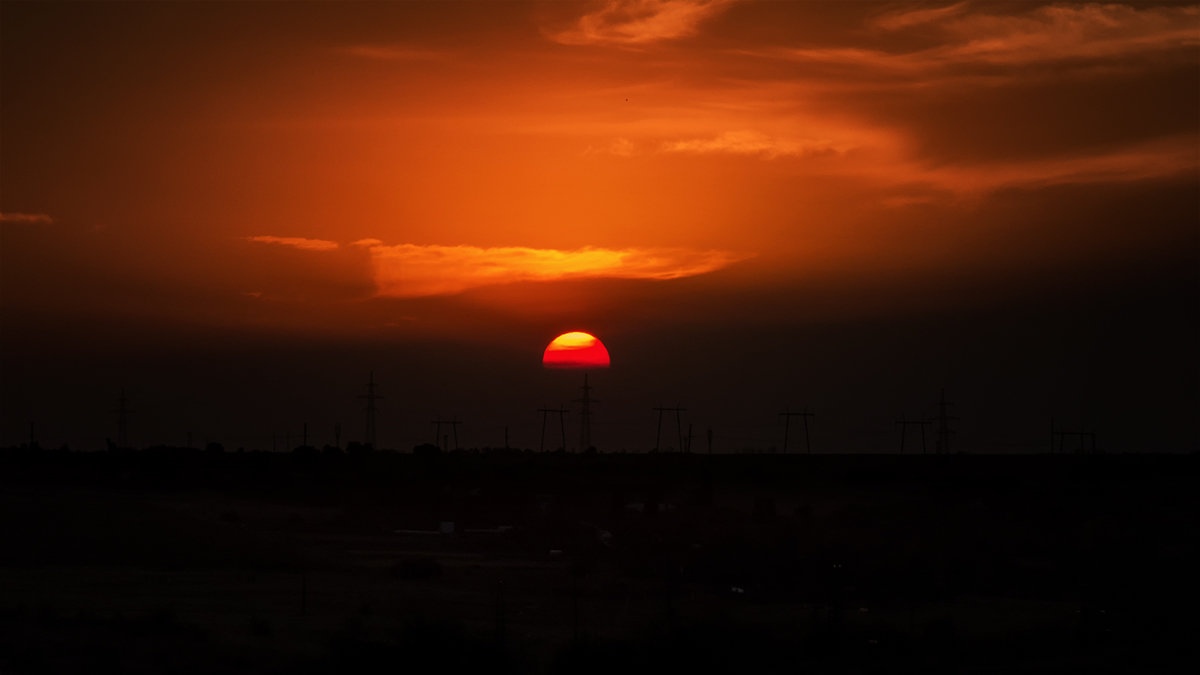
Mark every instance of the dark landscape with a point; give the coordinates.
(176, 560)
(599, 336)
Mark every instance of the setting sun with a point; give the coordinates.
(575, 350)
(888, 281)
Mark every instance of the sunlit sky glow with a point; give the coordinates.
(731, 177)
(482, 144)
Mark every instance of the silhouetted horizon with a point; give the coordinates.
(595, 336)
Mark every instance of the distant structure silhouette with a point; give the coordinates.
(371, 397)
(122, 413)
(453, 424)
(904, 424)
(1087, 439)
(678, 425)
(787, 418)
(942, 446)
(562, 426)
(585, 416)
(1090, 436)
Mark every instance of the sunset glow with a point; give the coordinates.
(729, 186)
(575, 350)
(423, 150)
(410, 270)
(903, 296)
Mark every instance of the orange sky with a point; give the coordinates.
(185, 145)
(501, 172)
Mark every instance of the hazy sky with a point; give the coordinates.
(236, 209)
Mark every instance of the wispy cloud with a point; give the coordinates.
(11, 217)
(888, 157)
(884, 160)
(409, 270)
(1044, 35)
(621, 147)
(756, 143)
(638, 22)
(296, 242)
(1157, 159)
(1066, 32)
(915, 17)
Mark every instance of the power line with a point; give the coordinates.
(122, 413)
(678, 425)
(904, 424)
(787, 418)
(561, 425)
(943, 440)
(371, 397)
(1058, 438)
(453, 423)
(585, 416)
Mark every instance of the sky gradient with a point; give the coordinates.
(236, 210)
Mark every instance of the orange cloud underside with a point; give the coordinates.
(25, 218)
(576, 350)
(613, 139)
(296, 242)
(409, 270)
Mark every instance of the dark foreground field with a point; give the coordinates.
(191, 562)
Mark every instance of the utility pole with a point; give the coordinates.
(1081, 435)
(337, 435)
(453, 424)
(710, 440)
(678, 425)
(787, 418)
(122, 412)
(904, 424)
(585, 416)
(371, 398)
(562, 426)
(943, 440)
